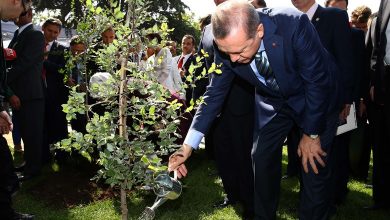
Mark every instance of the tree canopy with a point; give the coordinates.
(172, 11)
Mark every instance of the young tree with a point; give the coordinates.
(138, 120)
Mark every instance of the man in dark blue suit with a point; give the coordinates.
(279, 52)
(334, 31)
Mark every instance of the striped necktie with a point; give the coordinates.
(265, 70)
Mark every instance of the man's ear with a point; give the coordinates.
(260, 31)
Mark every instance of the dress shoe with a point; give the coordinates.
(287, 176)
(224, 203)
(20, 168)
(375, 207)
(22, 216)
(23, 177)
(14, 188)
(368, 186)
(18, 148)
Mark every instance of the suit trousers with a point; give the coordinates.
(233, 143)
(341, 167)
(381, 151)
(31, 121)
(293, 138)
(267, 155)
(7, 179)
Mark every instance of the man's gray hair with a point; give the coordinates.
(234, 14)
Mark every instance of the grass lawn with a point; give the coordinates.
(67, 194)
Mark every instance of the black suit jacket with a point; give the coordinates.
(380, 79)
(206, 44)
(361, 65)
(241, 98)
(335, 34)
(56, 90)
(186, 67)
(25, 74)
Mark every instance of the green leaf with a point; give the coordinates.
(218, 71)
(88, 3)
(145, 159)
(152, 110)
(212, 68)
(98, 10)
(110, 147)
(86, 155)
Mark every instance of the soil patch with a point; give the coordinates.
(71, 187)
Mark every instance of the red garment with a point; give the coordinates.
(43, 68)
(180, 63)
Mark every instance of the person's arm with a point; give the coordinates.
(31, 54)
(343, 51)
(372, 52)
(317, 85)
(312, 64)
(205, 115)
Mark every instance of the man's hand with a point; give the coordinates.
(177, 159)
(14, 101)
(5, 123)
(310, 151)
(345, 112)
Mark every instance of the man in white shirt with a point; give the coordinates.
(181, 65)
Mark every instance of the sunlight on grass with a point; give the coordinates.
(201, 189)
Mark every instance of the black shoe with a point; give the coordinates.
(14, 188)
(20, 168)
(375, 207)
(368, 186)
(23, 177)
(224, 203)
(22, 216)
(287, 176)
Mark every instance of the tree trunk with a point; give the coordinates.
(123, 126)
(124, 209)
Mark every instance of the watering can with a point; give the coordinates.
(165, 188)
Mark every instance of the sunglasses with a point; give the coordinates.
(26, 5)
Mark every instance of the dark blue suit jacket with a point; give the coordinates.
(303, 69)
(335, 34)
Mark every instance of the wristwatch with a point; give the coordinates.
(313, 136)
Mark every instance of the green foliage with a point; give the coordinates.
(139, 123)
(171, 12)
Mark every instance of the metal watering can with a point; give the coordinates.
(165, 188)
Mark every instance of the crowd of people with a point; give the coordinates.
(288, 77)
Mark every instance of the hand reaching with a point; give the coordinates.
(177, 159)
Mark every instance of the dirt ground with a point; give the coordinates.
(67, 186)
